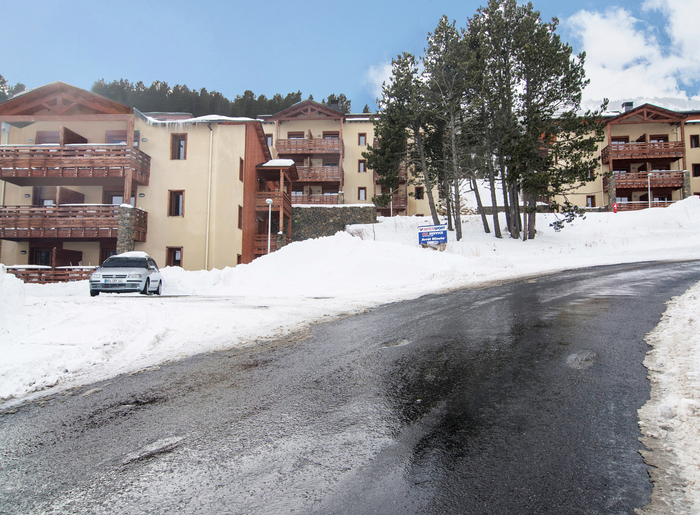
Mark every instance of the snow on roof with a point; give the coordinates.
(278, 163)
(210, 118)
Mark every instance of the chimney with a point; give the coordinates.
(627, 106)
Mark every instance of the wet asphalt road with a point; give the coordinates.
(517, 398)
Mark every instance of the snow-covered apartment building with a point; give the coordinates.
(72, 163)
(650, 157)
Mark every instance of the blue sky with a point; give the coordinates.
(635, 50)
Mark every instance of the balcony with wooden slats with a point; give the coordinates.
(261, 243)
(279, 200)
(319, 173)
(309, 146)
(317, 199)
(27, 165)
(642, 180)
(81, 222)
(642, 151)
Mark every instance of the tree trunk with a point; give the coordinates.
(479, 205)
(514, 213)
(532, 219)
(426, 177)
(494, 202)
(455, 171)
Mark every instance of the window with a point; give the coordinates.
(176, 203)
(240, 170)
(695, 141)
(48, 137)
(590, 201)
(268, 138)
(173, 256)
(591, 174)
(117, 137)
(118, 199)
(620, 140)
(295, 135)
(240, 217)
(696, 170)
(361, 193)
(178, 146)
(362, 166)
(659, 138)
(362, 139)
(331, 135)
(420, 192)
(239, 260)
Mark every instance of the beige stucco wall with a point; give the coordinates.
(354, 180)
(692, 155)
(192, 175)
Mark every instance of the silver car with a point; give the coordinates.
(127, 272)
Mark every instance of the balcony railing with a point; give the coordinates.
(261, 243)
(46, 274)
(309, 146)
(642, 204)
(399, 202)
(71, 161)
(279, 200)
(641, 180)
(643, 151)
(328, 198)
(319, 173)
(83, 221)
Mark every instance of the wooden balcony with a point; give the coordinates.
(66, 222)
(643, 151)
(319, 173)
(328, 199)
(642, 180)
(261, 243)
(309, 146)
(279, 201)
(47, 274)
(23, 164)
(403, 176)
(642, 204)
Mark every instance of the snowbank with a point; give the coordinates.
(670, 420)
(56, 336)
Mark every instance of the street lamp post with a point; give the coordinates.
(269, 222)
(649, 188)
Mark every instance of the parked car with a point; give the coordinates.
(127, 272)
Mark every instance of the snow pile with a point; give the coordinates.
(56, 336)
(670, 420)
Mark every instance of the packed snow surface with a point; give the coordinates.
(57, 336)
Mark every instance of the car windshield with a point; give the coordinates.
(124, 262)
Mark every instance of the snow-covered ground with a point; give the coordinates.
(55, 336)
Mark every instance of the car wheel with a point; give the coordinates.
(94, 293)
(145, 287)
(160, 288)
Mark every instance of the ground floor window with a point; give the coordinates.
(419, 192)
(173, 256)
(361, 193)
(696, 170)
(590, 201)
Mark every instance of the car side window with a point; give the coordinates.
(152, 263)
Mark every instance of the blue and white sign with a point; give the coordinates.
(434, 234)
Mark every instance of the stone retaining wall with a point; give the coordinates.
(314, 222)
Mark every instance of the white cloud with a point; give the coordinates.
(376, 76)
(626, 60)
